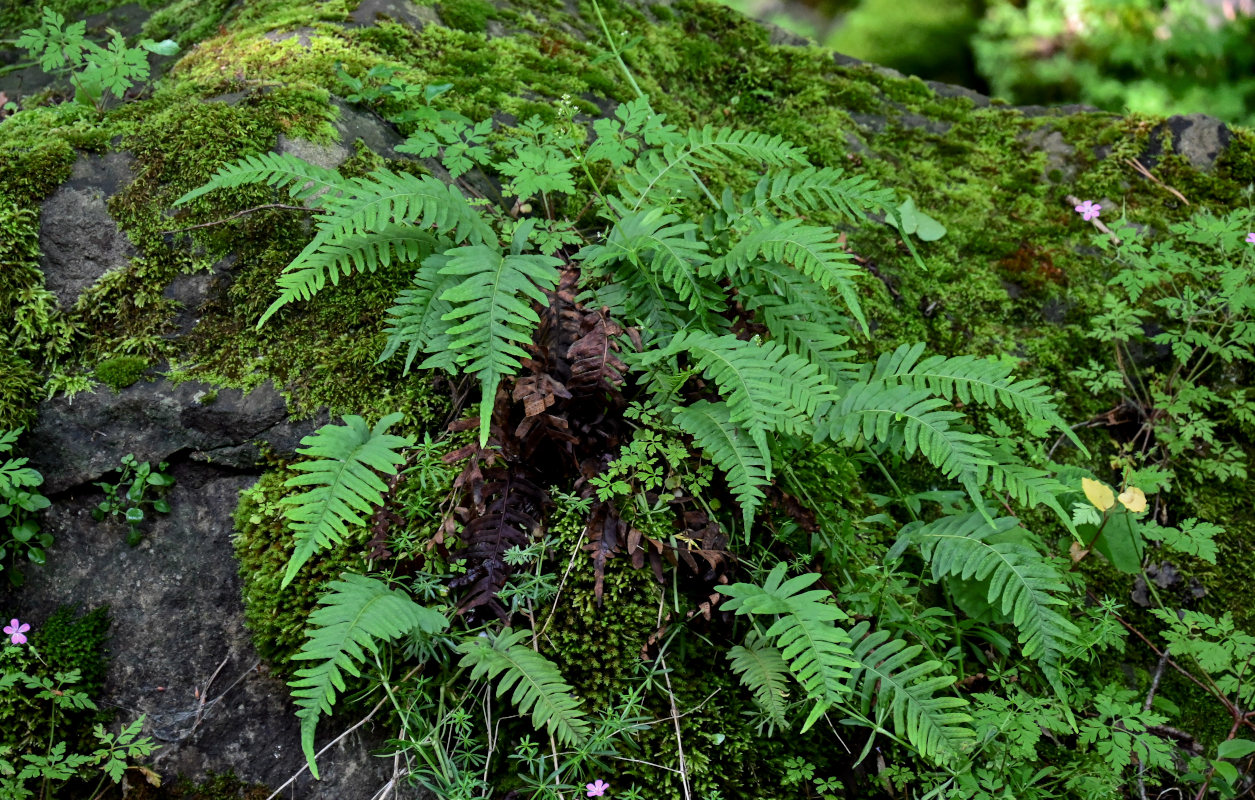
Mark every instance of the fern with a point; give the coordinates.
(968, 379)
(816, 650)
(417, 321)
(659, 172)
(910, 421)
(491, 306)
(345, 483)
(798, 312)
(366, 252)
(659, 244)
(812, 189)
(811, 250)
(1022, 584)
(303, 180)
(767, 388)
(354, 616)
(763, 672)
(538, 686)
(746, 464)
(378, 206)
(929, 722)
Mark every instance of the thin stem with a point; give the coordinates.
(615, 50)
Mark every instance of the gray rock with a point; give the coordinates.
(1200, 138)
(375, 133)
(78, 439)
(402, 11)
(1060, 155)
(78, 239)
(180, 652)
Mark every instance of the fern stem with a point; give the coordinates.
(615, 50)
(897, 490)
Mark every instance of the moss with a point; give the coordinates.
(65, 641)
(467, 15)
(121, 371)
(214, 786)
(19, 390)
(263, 544)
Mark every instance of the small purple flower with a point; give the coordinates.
(1088, 210)
(1250, 238)
(597, 788)
(16, 631)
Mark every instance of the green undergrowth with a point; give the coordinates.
(277, 618)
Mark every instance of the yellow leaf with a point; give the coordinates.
(1134, 499)
(1099, 494)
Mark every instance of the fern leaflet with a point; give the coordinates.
(303, 180)
(345, 483)
(417, 321)
(659, 244)
(816, 650)
(810, 249)
(491, 306)
(1022, 584)
(658, 172)
(767, 388)
(967, 379)
(746, 464)
(812, 189)
(539, 688)
(763, 671)
(910, 421)
(929, 722)
(354, 616)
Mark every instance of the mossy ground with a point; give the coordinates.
(1013, 276)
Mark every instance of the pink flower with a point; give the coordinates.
(597, 788)
(1088, 210)
(16, 631)
(1250, 238)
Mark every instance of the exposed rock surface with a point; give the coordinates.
(78, 439)
(79, 240)
(180, 653)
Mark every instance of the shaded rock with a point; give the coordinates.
(180, 652)
(1199, 138)
(402, 11)
(78, 439)
(1060, 156)
(78, 239)
(375, 133)
(193, 290)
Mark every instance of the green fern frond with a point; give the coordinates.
(816, 650)
(1027, 485)
(346, 486)
(378, 206)
(909, 421)
(1023, 585)
(491, 306)
(764, 672)
(811, 250)
(798, 312)
(887, 676)
(539, 688)
(969, 379)
(767, 388)
(302, 179)
(659, 244)
(746, 464)
(355, 615)
(798, 192)
(659, 171)
(309, 274)
(417, 321)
